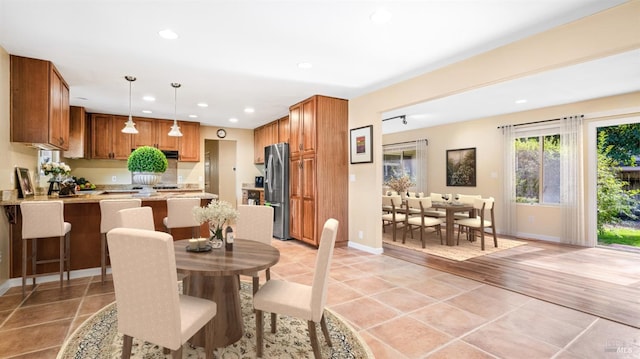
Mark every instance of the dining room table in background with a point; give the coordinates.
(215, 275)
(450, 209)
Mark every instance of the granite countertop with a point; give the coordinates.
(97, 196)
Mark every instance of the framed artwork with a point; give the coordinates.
(461, 167)
(25, 187)
(361, 144)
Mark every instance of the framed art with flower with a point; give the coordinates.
(461, 167)
(361, 146)
(25, 187)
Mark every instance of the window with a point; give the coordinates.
(406, 158)
(537, 169)
(397, 163)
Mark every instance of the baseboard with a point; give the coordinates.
(81, 273)
(364, 248)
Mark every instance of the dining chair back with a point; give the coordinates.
(255, 223)
(140, 218)
(276, 296)
(149, 306)
(417, 208)
(41, 220)
(467, 199)
(180, 215)
(108, 220)
(394, 215)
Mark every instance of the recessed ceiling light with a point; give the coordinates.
(147, 111)
(202, 104)
(168, 34)
(249, 110)
(233, 120)
(305, 65)
(149, 98)
(521, 101)
(193, 116)
(380, 16)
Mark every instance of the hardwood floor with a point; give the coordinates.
(598, 281)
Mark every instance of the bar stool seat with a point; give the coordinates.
(180, 215)
(108, 220)
(43, 220)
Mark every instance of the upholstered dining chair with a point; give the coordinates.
(180, 215)
(421, 220)
(255, 223)
(479, 223)
(109, 220)
(149, 306)
(299, 300)
(467, 199)
(434, 212)
(40, 220)
(140, 218)
(395, 216)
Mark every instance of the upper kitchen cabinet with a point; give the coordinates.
(283, 129)
(318, 170)
(107, 140)
(39, 104)
(154, 133)
(77, 133)
(264, 136)
(189, 149)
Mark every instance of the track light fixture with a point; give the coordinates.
(403, 117)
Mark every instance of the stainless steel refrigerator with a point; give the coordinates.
(276, 186)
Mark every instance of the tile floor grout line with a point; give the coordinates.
(564, 349)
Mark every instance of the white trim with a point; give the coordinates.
(364, 248)
(523, 235)
(81, 273)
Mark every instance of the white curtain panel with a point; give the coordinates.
(509, 186)
(571, 182)
(422, 165)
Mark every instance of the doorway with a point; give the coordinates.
(615, 171)
(220, 169)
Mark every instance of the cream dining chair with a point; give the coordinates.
(40, 220)
(180, 215)
(149, 307)
(395, 215)
(418, 206)
(255, 223)
(109, 220)
(299, 300)
(479, 223)
(467, 199)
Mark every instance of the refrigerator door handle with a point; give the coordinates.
(269, 173)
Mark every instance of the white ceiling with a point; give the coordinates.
(234, 54)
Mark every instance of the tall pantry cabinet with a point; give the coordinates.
(318, 168)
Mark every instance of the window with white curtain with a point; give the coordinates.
(407, 158)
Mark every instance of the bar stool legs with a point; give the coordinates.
(64, 261)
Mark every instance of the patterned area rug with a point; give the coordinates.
(98, 337)
(466, 249)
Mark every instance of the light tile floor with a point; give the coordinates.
(400, 309)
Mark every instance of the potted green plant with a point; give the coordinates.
(147, 165)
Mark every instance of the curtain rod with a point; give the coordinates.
(534, 122)
(400, 143)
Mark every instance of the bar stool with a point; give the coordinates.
(108, 220)
(138, 218)
(180, 215)
(40, 220)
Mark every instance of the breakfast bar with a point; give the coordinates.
(83, 212)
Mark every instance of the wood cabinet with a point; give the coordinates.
(39, 100)
(78, 133)
(107, 140)
(318, 168)
(154, 133)
(283, 129)
(264, 136)
(189, 143)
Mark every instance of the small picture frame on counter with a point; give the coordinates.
(25, 187)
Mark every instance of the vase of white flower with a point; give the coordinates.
(217, 214)
(59, 171)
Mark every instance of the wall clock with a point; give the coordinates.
(221, 133)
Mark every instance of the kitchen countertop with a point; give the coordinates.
(97, 196)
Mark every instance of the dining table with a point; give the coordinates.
(214, 275)
(450, 209)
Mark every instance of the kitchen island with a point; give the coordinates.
(83, 212)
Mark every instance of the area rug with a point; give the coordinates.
(466, 249)
(98, 337)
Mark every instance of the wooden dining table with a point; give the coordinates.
(214, 275)
(451, 209)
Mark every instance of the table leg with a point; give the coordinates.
(225, 291)
(450, 239)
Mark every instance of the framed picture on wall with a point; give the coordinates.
(25, 187)
(361, 144)
(461, 167)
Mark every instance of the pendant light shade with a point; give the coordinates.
(175, 129)
(130, 126)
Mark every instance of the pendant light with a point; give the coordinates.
(175, 130)
(130, 126)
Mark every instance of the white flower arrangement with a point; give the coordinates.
(56, 168)
(216, 213)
